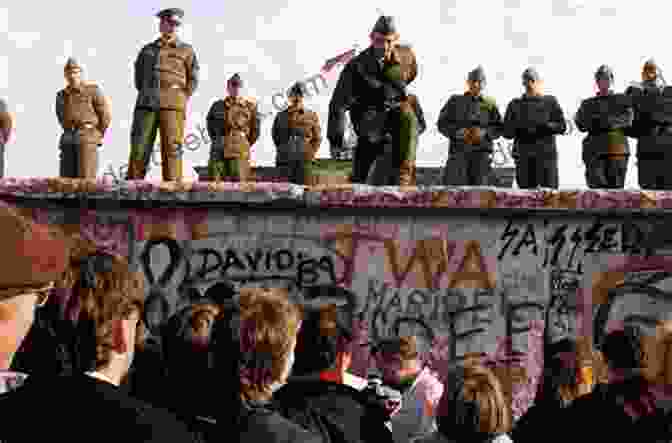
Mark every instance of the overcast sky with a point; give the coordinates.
(274, 43)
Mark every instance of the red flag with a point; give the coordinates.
(339, 59)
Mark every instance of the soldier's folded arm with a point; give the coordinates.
(341, 102)
(212, 123)
(422, 123)
(495, 128)
(556, 123)
(622, 120)
(581, 120)
(447, 123)
(510, 125)
(316, 136)
(101, 105)
(255, 124)
(139, 69)
(276, 131)
(60, 105)
(193, 69)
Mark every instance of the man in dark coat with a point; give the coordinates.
(629, 407)
(605, 117)
(471, 122)
(89, 404)
(652, 127)
(373, 100)
(321, 395)
(533, 121)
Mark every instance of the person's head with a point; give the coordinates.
(472, 405)
(234, 85)
(36, 259)
(476, 81)
(72, 72)
(295, 95)
(398, 358)
(384, 36)
(268, 326)
(532, 81)
(106, 304)
(325, 342)
(622, 349)
(650, 71)
(566, 375)
(169, 20)
(604, 78)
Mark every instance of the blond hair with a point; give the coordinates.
(480, 387)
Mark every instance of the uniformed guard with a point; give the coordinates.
(84, 114)
(166, 76)
(6, 128)
(605, 117)
(396, 166)
(533, 121)
(472, 123)
(652, 127)
(233, 126)
(373, 100)
(297, 136)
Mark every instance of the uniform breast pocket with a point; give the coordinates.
(173, 61)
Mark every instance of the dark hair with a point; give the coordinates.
(559, 374)
(622, 349)
(321, 338)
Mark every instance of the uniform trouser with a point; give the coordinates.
(294, 171)
(654, 172)
(467, 169)
(607, 172)
(537, 171)
(80, 159)
(395, 166)
(146, 122)
(2, 160)
(364, 154)
(226, 169)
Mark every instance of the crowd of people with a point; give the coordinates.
(257, 365)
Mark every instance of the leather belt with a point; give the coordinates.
(82, 126)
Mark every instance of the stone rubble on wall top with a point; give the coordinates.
(362, 196)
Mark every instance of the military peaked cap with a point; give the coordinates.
(174, 14)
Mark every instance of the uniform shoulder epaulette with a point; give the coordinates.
(250, 100)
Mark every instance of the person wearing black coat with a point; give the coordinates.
(629, 407)
(80, 408)
(321, 395)
(253, 322)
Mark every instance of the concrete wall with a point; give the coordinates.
(461, 277)
(425, 176)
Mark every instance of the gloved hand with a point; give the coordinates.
(473, 136)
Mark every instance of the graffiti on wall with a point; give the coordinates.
(463, 286)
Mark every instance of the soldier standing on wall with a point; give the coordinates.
(373, 100)
(605, 149)
(6, 128)
(652, 126)
(166, 76)
(233, 126)
(533, 121)
(297, 136)
(84, 114)
(471, 122)
(396, 166)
